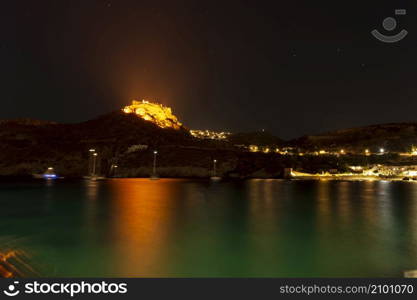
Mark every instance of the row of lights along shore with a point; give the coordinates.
(254, 148)
(94, 154)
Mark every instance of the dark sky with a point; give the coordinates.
(291, 67)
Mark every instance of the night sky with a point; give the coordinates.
(291, 68)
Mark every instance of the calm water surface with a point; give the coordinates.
(138, 227)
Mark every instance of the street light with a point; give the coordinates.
(214, 176)
(94, 163)
(154, 162)
(382, 150)
(113, 168)
(90, 161)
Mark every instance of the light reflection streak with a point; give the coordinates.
(324, 210)
(412, 217)
(384, 206)
(15, 263)
(367, 202)
(91, 204)
(265, 198)
(142, 218)
(344, 202)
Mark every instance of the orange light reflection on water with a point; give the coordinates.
(142, 219)
(15, 263)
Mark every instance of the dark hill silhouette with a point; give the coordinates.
(28, 147)
(395, 137)
(260, 138)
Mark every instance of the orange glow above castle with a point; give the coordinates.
(154, 112)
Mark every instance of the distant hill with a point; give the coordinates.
(124, 139)
(26, 121)
(128, 141)
(260, 138)
(28, 147)
(392, 137)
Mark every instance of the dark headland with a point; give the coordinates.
(127, 141)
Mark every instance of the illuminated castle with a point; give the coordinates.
(155, 113)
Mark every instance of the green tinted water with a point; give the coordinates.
(138, 227)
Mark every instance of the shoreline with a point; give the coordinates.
(293, 178)
(353, 178)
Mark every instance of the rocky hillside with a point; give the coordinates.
(128, 141)
(30, 147)
(125, 140)
(392, 137)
